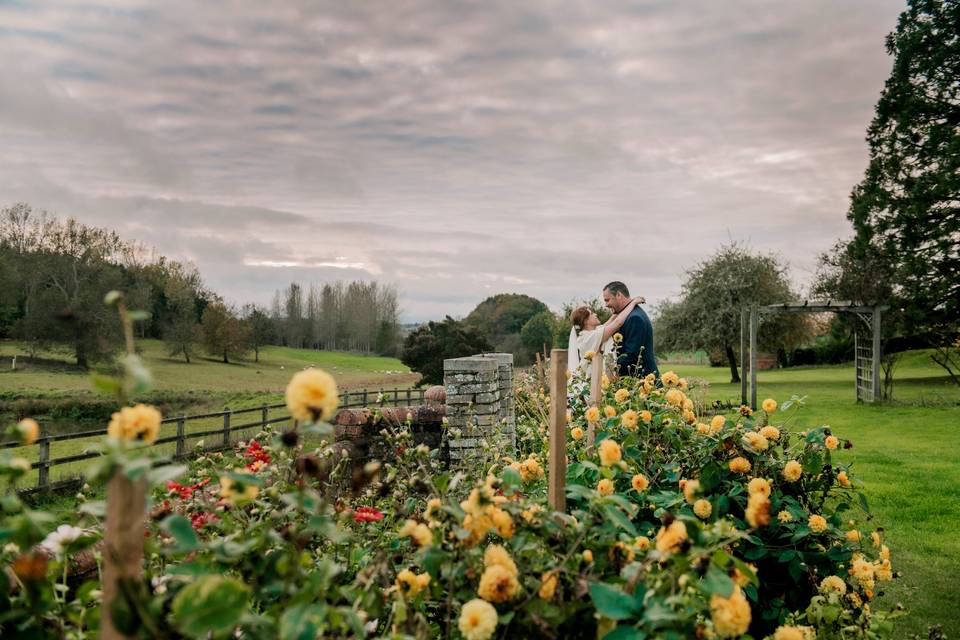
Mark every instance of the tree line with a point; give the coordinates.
(54, 274)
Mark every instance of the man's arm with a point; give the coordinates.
(630, 348)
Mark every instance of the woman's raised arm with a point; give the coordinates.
(617, 321)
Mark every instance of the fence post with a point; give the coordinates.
(43, 464)
(264, 416)
(123, 543)
(556, 494)
(181, 440)
(754, 328)
(408, 396)
(226, 427)
(366, 400)
(346, 399)
(596, 377)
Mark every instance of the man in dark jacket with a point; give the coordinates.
(636, 357)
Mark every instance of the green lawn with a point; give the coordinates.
(52, 390)
(54, 376)
(906, 454)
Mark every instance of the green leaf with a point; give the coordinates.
(213, 603)
(182, 533)
(620, 519)
(863, 502)
(579, 491)
(137, 468)
(441, 482)
(511, 477)
(717, 582)
(625, 633)
(709, 477)
(162, 474)
(433, 559)
(300, 621)
(612, 602)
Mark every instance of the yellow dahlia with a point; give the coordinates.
(312, 395)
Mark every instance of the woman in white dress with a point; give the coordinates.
(588, 334)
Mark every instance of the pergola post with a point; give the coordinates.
(743, 355)
(875, 364)
(754, 326)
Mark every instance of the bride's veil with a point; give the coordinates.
(573, 351)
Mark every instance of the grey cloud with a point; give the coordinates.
(456, 149)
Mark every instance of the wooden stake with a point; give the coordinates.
(123, 543)
(556, 492)
(596, 378)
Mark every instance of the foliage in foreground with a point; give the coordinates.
(675, 528)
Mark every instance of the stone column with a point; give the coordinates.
(473, 402)
(508, 413)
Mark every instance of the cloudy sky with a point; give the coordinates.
(456, 149)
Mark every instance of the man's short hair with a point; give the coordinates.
(616, 287)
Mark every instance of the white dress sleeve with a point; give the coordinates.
(589, 341)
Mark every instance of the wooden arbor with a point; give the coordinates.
(866, 338)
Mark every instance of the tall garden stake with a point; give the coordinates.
(557, 464)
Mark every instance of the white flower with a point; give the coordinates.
(11, 547)
(64, 535)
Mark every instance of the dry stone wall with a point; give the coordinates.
(480, 403)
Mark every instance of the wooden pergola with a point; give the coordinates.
(866, 340)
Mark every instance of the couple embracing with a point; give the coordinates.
(634, 346)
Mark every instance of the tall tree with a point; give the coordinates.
(223, 333)
(260, 329)
(707, 315)
(426, 347)
(906, 211)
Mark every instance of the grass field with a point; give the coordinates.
(51, 386)
(907, 455)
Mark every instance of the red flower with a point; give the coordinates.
(184, 491)
(201, 519)
(256, 453)
(367, 514)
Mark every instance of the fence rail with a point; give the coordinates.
(40, 454)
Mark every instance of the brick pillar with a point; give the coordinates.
(508, 411)
(473, 401)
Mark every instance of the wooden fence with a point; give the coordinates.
(219, 425)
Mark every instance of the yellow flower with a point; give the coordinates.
(433, 505)
(497, 555)
(875, 538)
(604, 382)
(758, 510)
(312, 395)
(740, 465)
(646, 416)
(529, 515)
(478, 620)
(745, 411)
(854, 536)
(793, 633)
(770, 433)
(731, 616)
(670, 379)
(639, 483)
(831, 442)
(548, 585)
(629, 419)
(621, 395)
(609, 411)
(497, 584)
(29, 431)
(833, 584)
(690, 489)
(784, 516)
(682, 383)
(702, 508)
(674, 397)
(669, 539)
(792, 471)
(617, 338)
(605, 487)
(817, 524)
(587, 555)
(843, 479)
(609, 452)
(621, 554)
(419, 533)
(884, 552)
(140, 422)
(717, 423)
(755, 441)
(411, 584)
(576, 433)
(503, 522)
(592, 414)
(589, 354)
(769, 405)
(863, 572)
(530, 469)
(884, 571)
(759, 486)
(642, 543)
(235, 493)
